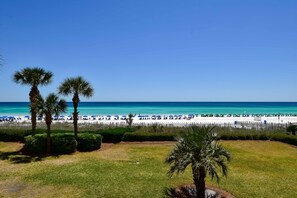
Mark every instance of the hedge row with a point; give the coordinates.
(88, 142)
(289, 139)
(114, 135)
(244, 136)
(18, 134)
(281, 137)
(13, 135)
(62, 143)
(149, 136)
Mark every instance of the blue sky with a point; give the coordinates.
(156, 50)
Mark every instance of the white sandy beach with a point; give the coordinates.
(172, 120)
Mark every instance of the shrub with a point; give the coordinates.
(60, 144)
(114, 135)
(88, 141)
(292, 128)
(13, 135)
(35, 144)
(18, 134)
(289, 139)
(63, 143)
(146, 136)
(238, 135)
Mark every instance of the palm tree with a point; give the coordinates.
(51, 106)
(129, 120)
(76, 86)
(33, 77)
(198, 148)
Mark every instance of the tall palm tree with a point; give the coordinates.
(198, 148)
(33, 77)
(76, 86)
(49, 107)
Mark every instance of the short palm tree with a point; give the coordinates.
(198, 148)
(49, 107)
(33, 77)
(76, 86)
(129, 120)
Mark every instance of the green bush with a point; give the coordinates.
(292, 129)
(289, 139)
(63, 143)
(114, 135)
(35, 144)
(60, 144)
(13, 135)
(237, 135)
(18, 134)
(258, 135)
(146, 136)
(88, 141)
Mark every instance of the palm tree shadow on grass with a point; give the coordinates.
(17, 157)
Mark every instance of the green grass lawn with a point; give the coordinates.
(258, 169)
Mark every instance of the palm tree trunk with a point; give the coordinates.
(48, 141)
(48, 121)
(33, 100)
(33, 121)
(75, 115)
(75, 101)
(199, 181)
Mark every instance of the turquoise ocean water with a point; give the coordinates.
(123, 108)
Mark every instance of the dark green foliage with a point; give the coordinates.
(292, 129)
(88, 141)
(147, 136)
(258, 135)
(17, 134)
(13, 135)
(289, 139)
(114, 135)
(35, 144)
(244, 136)
(63, 144)
(60, 144)
(129, 120)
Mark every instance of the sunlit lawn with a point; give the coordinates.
(258, 169)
